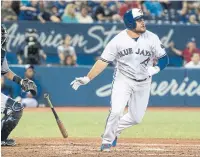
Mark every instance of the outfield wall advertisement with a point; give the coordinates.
(90, 39)
(171, 87)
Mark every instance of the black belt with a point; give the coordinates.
(139, 80)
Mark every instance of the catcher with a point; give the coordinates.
(11, 109)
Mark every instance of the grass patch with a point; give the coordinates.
(156, 124)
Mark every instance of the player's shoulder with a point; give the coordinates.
(150, 35)
(119, 36)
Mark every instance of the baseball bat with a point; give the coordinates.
(59, 122)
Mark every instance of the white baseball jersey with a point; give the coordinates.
(131, 84)
(133, 56)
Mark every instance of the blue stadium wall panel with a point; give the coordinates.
(171, 87)
(89, 40)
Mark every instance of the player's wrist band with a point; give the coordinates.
(17, 79)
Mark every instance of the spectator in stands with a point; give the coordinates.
(153, 8)
(69, 61)
(16, 7)
(80, 4)
(92, 5)
(83, 16)
(27, 99)
(104, 13)
(198, 13)
(69, 14)
(187, 52)
(49, 11)
(193, 19)
(113, 6)
(189, 7)
(54, 11)
(165, 4)
(60, 5)
(188, 11)
(195, 62)
(31, 51)
(6, 89)
(30, 11)
(66, 50)
(51, 15)
(25, 2)
(128, 5)
(7, 13)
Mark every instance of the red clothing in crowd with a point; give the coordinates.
(126, 6)
(187, 55)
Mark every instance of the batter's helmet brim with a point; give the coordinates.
(139, 17)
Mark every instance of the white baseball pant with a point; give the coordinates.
(126, 91)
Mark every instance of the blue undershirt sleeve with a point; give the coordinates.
(163, 62)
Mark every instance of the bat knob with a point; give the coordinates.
(46, 95)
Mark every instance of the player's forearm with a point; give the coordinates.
(9, 75)
(98, 67)
(13, 77)
(178, 52)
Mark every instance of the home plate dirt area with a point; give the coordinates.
(89, 147)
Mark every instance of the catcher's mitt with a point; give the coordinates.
(28, 85)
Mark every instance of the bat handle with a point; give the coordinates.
(46, 96)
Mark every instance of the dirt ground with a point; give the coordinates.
(84, 147)
(89, 147)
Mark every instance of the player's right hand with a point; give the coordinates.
(79, 81)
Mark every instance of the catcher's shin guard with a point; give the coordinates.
(12, 115)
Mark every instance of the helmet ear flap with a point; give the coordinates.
(129, 21)
(131, 16)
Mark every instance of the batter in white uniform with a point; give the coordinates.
(134, 49)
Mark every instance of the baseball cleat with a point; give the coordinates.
(114, 144)
(105, 147)
(8, 142)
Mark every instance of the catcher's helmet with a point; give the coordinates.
(131, 16)
(3, 34)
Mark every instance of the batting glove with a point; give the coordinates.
(153, 70)
(79, 81)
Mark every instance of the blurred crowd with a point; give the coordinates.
(162, 11)
(31, 51)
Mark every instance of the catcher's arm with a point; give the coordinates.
(26, 84)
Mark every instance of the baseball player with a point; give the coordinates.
(11, 109)
(134, 50)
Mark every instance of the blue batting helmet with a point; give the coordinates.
(131, 16)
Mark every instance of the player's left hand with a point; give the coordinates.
(153, 70)
(28, 85)
(79, 81)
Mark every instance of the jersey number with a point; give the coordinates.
(146, 61)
